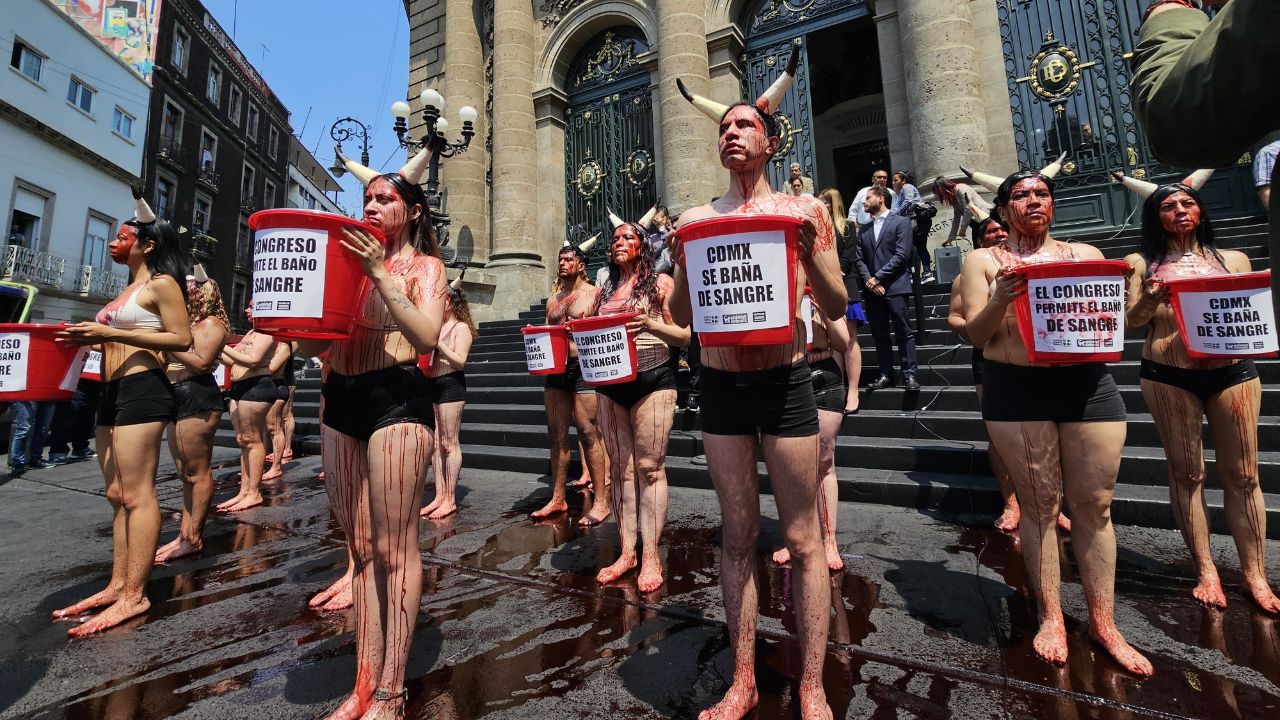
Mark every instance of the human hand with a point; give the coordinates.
(1154, 292)
(871, 283)
(1009, 285)
(367, 249)
(879, 290)
(86, 333)
(808, 236)
(675, 246)
(639, 324)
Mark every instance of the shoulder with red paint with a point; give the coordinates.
(1081, 251)
(701, 212)
(665, 286)
(1236, 261)
(423, 274)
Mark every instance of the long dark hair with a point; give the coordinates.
(1153, 244)
(646, 287)
(945, 191)
(461, 309)
(422, 232)
(1006, 187)
(170, 257)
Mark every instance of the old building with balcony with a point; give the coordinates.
(72, 120)
(310, 182)
(217, 144)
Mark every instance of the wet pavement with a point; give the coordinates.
(931, 618)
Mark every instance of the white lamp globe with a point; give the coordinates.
(431, 98)
(400, 109)
(467, 114)
(442, 125)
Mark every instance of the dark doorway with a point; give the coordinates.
(855, 163)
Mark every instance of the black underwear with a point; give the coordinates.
(1204, 384)
(282, 389)
(136, 399)
(778, 401)
(449, 388)
(1062, 394)
(627, 394)
(975, 362)
(197, 396)
(570, 380)
(828, 385)
(358, 405)
(255, 389)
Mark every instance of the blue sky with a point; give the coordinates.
(335, 59)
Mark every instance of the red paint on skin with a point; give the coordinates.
(1179, 214)
(120, 248)
(1030, 208)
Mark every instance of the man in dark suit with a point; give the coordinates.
(883, 259)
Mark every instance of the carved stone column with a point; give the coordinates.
(515, 165)
(689, 162)
(463, 176)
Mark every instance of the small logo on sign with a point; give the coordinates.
(263, 305)
(284, 305)
(735, 319)
(758, 317)
(1088, 342)
(712, 320)
(1258, 345)
(1237, 346)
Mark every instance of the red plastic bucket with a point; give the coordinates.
(35, 367)
(1226, 316)
(606, 353)
(742, 279)
(1073, 311)
(222, 376)
(92, 366)
(546, 348)
(305, 284)
(425, 362)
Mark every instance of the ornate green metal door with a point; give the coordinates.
(1068, 76)
(761, 67)
(608, 138)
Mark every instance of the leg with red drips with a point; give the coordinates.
(448, 455)
(615, 426)
(397, 457)
(275, 427)
(595, 462)
(731, 460)
(828, 431)
(1179, 415)
(244, 472)
(584, 477)
(651, 420)
(1090, 462)
(1031, 452)
(191, 444)
(559, 406)
(1233, 420)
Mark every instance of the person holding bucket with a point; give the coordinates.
(567, 397)
(760, 398)
(199, 411)
(1059, 429)
(449, 396)
(378, 431)
(253, 392)
(1177, 243)
(636, 415)
(147, 319)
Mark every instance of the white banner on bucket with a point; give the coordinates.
(604, 354)
(1082, 315)
(538, 354)
(222, 375)
(72, 377)
(1230, 322)
(14, 349)
(93, 363)
(806, 312)
(739, 282)
(288, 272)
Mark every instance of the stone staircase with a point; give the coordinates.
(924, 449)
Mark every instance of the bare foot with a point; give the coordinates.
(1009, 519)
(431, 507)
(391, 709)
(119, 612)
(248, 501)
(443, 511)
(1209, 592)
(650, 577)
(97, 600)
(616, 570)
(581, 482)
(272, 474)
(1064, 523)
(598, 513)
(734, 705)
(813, 704)
(222, 506)
(782, 557)
(551, 508)
(180, 547)
(351, 709)
(1124, 653)
(329, 594)
(835, 563)
(320, 475)
(1051, 642)
(1261, 593)
(269, 458)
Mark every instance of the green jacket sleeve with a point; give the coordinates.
(1205, 90)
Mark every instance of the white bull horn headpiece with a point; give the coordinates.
(141, 209)
(767, 103)
(1145, 188)
(412, 170)
(993, 183)
(643, 223)
(364, 174)
(457, 282)
(978, 214)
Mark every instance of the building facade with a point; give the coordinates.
(217, 145)
(582, 111)
(72, 120)
(309, 182)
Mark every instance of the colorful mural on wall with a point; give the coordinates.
(125, 27)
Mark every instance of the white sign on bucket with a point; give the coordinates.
(221, 375)
(604, 354)
(1229, 322)
(1083, 315)
(93, 363)
(538, 354)
(72, 378)
(14, 350)
(288, 272)
(806, 312)
(739, 282)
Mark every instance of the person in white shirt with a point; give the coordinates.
(879, 178)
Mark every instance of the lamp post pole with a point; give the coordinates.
(433, 139)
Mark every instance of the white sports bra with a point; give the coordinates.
(130, 315)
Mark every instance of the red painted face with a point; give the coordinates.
(993, 235)
(384, 208)
(123, 244)
(743, 138)
(1030, 209)
(567, 265)
(1179, 214)
(626, 246)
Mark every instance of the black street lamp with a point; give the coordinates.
(346, 129)
(434, 140)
